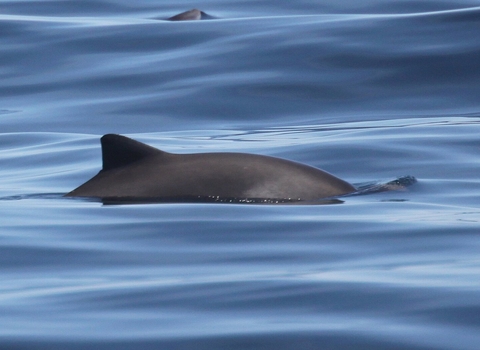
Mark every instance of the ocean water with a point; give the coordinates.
(374, 92)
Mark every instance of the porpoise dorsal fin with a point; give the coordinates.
(118, 151)
(191, 15)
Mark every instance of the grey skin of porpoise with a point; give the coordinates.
(191, 15)
(132, 169)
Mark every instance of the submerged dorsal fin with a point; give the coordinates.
(118, 150)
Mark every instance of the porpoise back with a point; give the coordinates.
(133, 170)
(191, 15)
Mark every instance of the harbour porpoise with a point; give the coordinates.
(134, 171)
(191, 15)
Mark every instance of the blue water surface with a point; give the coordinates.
(373, 92)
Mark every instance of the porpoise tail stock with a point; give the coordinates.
(135, 172)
